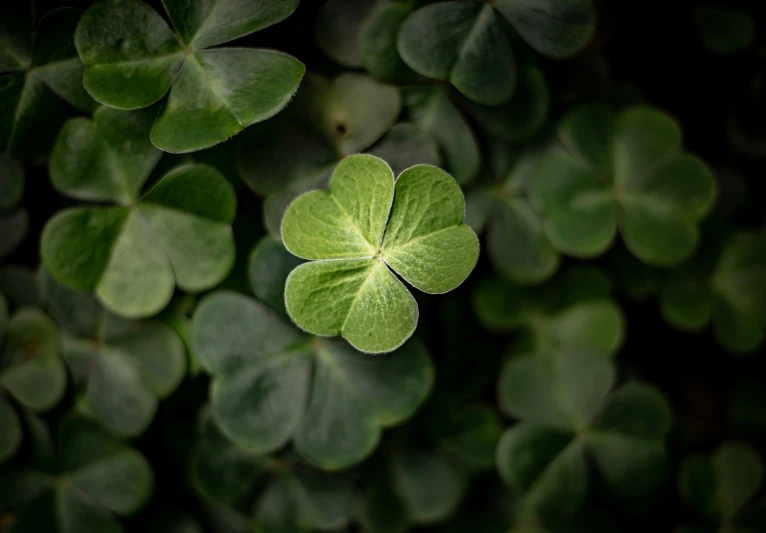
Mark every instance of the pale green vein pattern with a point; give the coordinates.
(364, 227)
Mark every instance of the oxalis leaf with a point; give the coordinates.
(132, 256)
(272, 384)
(133, 58)
(357, 232)
(94, 477)
(568, 415)
(37, 75)
(284, 495)
(329, 120)
(464, 42)
(516, 241)
(731, 294)
(123, 367)
(31, 370)
(622, 171)
(573, 312)
(14, 220)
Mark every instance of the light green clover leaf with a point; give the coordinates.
(568, 415)
(357, 232)
(475, 54)
(273, 384)
(622, 171)
(94, 477)
(14, 220)
(133, 255)
(133, 58)
(39, 71)
(122, 367)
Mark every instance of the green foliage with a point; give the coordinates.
(92, 478)
(203, 331)
(132, 256)
(622, 171)
(567, 414)
(132, 59)
(358, 230)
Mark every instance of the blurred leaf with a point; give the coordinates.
(123, 367)
(732, 295)
(468, 432)
(38, 76)
(10, 437)
(273, 384)
(722, 484)
(133, 59)
(622, 171)
(270, 264)
(724, 29)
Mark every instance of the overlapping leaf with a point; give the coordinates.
(573, 312)
(298, 151)
(36, 74)
(133, 58)
(567, 415)
(731, 295)
(622, 171)
(360, 230)
(410, 488)
(14, 220)
(123, 368)
(132, 256)
(94, 478)
(516, 240)
(273, 385)
(464, 42)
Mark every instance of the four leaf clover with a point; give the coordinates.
(364, 226)
(133, 255)
(133, 58)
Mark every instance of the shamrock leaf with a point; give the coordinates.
(469, 432)
(94, 476)
(409, 488)
(329, 120)
(10, 437)
(35, 75)
(178, 233)
(731, 293)
(516, 241)
(270, 264)
(721, 485)
(31, 370)
(124, 367)
(622, 171)
(362, 33)
(358, 231)
(574, 312)
(568, 415)
(295, 499)
(272, 384)
(432, 110)
(724, 29)
(14, 220)
(133, 58)
(475, 55)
